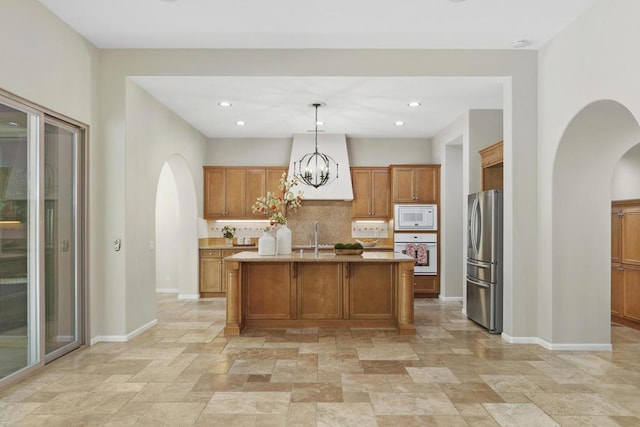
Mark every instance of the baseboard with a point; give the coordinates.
(450, 299)
(167, 291)
(124, 338)
(556, 347)
(188, 296)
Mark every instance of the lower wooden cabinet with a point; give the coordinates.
(426, 285)
(625, 292)
(319, 291)
(210, 272)
(213, 274)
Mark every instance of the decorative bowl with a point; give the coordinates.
(367, 243)
(348, 251)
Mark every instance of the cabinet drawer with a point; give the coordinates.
(210, 253)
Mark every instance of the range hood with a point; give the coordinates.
(334, 145)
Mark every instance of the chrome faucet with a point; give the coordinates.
(315, 247)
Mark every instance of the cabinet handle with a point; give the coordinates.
(620, 269)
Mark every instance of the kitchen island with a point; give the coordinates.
(372, 290)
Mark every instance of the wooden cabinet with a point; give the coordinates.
(415, 184)
(319, 289)
(268, 290)
(371, 291)
(213, 272)
(371, 188)
(210, 272)
(625, 261)
(491, 159)
(426, 285)
(229, 192)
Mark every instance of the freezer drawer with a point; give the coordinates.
(484, 304)
(484, 271)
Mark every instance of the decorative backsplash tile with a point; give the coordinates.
(334, 225)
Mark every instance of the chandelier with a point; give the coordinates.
(313, 169)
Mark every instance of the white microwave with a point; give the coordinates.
(415, 217)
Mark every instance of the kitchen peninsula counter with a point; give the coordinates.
(374, 289)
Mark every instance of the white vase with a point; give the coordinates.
(266, 244)
(283, 240)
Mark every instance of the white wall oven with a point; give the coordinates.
(423, 247)
(415, 217)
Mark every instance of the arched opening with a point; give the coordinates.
(587, 155)
(176, 230)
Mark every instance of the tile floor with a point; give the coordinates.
(452, 373)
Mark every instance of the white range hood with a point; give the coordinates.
(334, 145)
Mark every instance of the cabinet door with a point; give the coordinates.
(273, 179)
(255, 185)
(214, 205)
(427, 184)
(403, 185)
(371, 293)
(629, 235)
(617, 290)
(426, 285)
(616, 231)
(268, 293)
(234, 191)
(210, 271)
(631, 306)
(361, 182)
(380, 198)
(319, 287)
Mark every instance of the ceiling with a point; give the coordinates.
(358, 106)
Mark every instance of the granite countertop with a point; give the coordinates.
(322, 257)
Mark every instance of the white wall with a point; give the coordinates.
(153, 135)
(39, 58)
(277, 152)
(626, 176)
(167, 232)
(461, 175)
(590, 61)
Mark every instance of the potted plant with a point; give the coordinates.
(228, 233)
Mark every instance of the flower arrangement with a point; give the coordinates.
(279, 205)
(228, 232)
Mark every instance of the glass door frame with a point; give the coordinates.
(77, 244)
(37, 117)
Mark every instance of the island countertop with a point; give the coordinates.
(309, 256)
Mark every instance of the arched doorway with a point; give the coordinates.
(176, 230)
(587, 155)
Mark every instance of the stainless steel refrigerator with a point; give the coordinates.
(484, 260)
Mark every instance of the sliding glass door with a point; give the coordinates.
(19, 293)
(62, 295)
(41, 238)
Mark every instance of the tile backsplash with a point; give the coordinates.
(334, 225)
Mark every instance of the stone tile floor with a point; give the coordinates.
(452, 373)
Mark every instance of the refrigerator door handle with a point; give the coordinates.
(472, 227)
(479, 264)
(477, 283)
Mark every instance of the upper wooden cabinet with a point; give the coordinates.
(625, 229)
(229, 192)
(415, 183)
(492, 169)
(371, 188)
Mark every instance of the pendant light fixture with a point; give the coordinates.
(314, 169)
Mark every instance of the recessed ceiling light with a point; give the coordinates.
(224, 104)
(319, 123)
(399, 123)
(519, 43)
(414, 104)
(240, 123)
